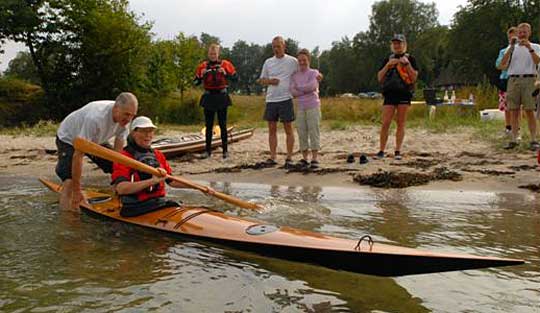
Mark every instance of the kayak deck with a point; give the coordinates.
(362, 256)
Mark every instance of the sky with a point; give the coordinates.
(311, 22)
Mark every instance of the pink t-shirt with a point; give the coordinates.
(305, 87)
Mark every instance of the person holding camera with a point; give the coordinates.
(397, 76)
(215, 75)
(521, 60)
(503, 82)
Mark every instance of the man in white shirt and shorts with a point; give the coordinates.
(521, 59)
(276, 75)
(98, 121)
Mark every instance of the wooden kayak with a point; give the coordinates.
(171, 147)
(359, 256)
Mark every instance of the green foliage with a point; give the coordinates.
(187, 54)
(82, 49)
(22, 67)
(20, 101)
(247, 59)
(479, 31)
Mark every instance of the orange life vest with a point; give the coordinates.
(214, 79)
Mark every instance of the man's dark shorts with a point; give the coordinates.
(65, 157)
(282, 111)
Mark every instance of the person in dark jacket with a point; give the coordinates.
(397, 75)
(214, 74)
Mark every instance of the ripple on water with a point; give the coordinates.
(58, 262)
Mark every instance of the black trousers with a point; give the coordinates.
(222, 121)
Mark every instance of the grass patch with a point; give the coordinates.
(40, 129)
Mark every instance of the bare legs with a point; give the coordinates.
(273, 141)
(387, 116)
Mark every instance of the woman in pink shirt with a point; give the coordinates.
(305, 88)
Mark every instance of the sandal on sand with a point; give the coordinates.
(314, 164)
(363, 159)
(303, 163)
(270, 162)
(288, 163)
(379, 155)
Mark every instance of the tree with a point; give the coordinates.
(247, 60)
(22, 67)
(82, 49)
(479, 32)
(161, 77)
(187, 54)
(207, 40)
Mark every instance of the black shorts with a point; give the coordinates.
(282, 111)
(65, 158)
(213, 101)
(397, 98)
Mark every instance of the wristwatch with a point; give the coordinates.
(531, 50)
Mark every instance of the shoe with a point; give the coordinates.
(507, 132)
(534, 146)
(350, 158)
(314, 164)
(397, 156)
(363, 159)
(303, 163)
(270, 161)
(510, 145)
(205, 155)
(288, 164)
(379, 155)
(225, 155)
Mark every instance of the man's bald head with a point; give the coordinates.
(278, 46)
(125, 108)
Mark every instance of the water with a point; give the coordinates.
(56, 262)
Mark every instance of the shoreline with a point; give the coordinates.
(473, 163)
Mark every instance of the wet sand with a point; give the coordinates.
(478, 165)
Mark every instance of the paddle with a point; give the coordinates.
(89, 147)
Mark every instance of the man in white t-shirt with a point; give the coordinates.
(521, 60)
(276, 75)
(98, 121)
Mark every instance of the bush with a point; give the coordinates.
(20, 102)
(16, 90)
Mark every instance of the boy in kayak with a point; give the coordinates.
(98, 121)
(139, 192)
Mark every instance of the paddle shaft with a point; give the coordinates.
(113, 156)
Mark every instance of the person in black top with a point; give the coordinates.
(215, 75)
(397, 76)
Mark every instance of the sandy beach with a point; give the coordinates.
(472, 163)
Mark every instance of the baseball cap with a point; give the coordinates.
(399, 37)
(142, 122)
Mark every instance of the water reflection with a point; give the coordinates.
(56, 262)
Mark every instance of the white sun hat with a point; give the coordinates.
(142, 122)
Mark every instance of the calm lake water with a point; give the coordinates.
(56, 262)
